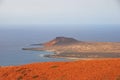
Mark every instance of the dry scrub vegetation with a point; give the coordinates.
(105, 69)
(88, 47)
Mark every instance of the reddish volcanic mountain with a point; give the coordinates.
(70, 47)
(61, 41)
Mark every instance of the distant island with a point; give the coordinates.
(71, 48)
(87, 69)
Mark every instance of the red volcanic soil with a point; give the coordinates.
(107, 69)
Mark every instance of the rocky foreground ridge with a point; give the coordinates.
(105, 69)
(70, 47)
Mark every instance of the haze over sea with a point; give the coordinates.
(14, 39)
(25, 22)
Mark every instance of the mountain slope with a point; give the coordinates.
(61, 41)
(105, 69)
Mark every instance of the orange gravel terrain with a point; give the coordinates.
(105, 69)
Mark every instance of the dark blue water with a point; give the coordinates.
(14, 55)
(13, 39)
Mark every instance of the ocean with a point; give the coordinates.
(12, 40)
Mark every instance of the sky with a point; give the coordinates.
(59, 12)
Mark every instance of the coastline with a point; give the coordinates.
(70, 48)
(82, 55)
(77, 55)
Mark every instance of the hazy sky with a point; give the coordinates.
(66, 12)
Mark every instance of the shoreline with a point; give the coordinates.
(77, 59)
(83, 56)
(78, 55)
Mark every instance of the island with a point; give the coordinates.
(107, 67)
(65, 47)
